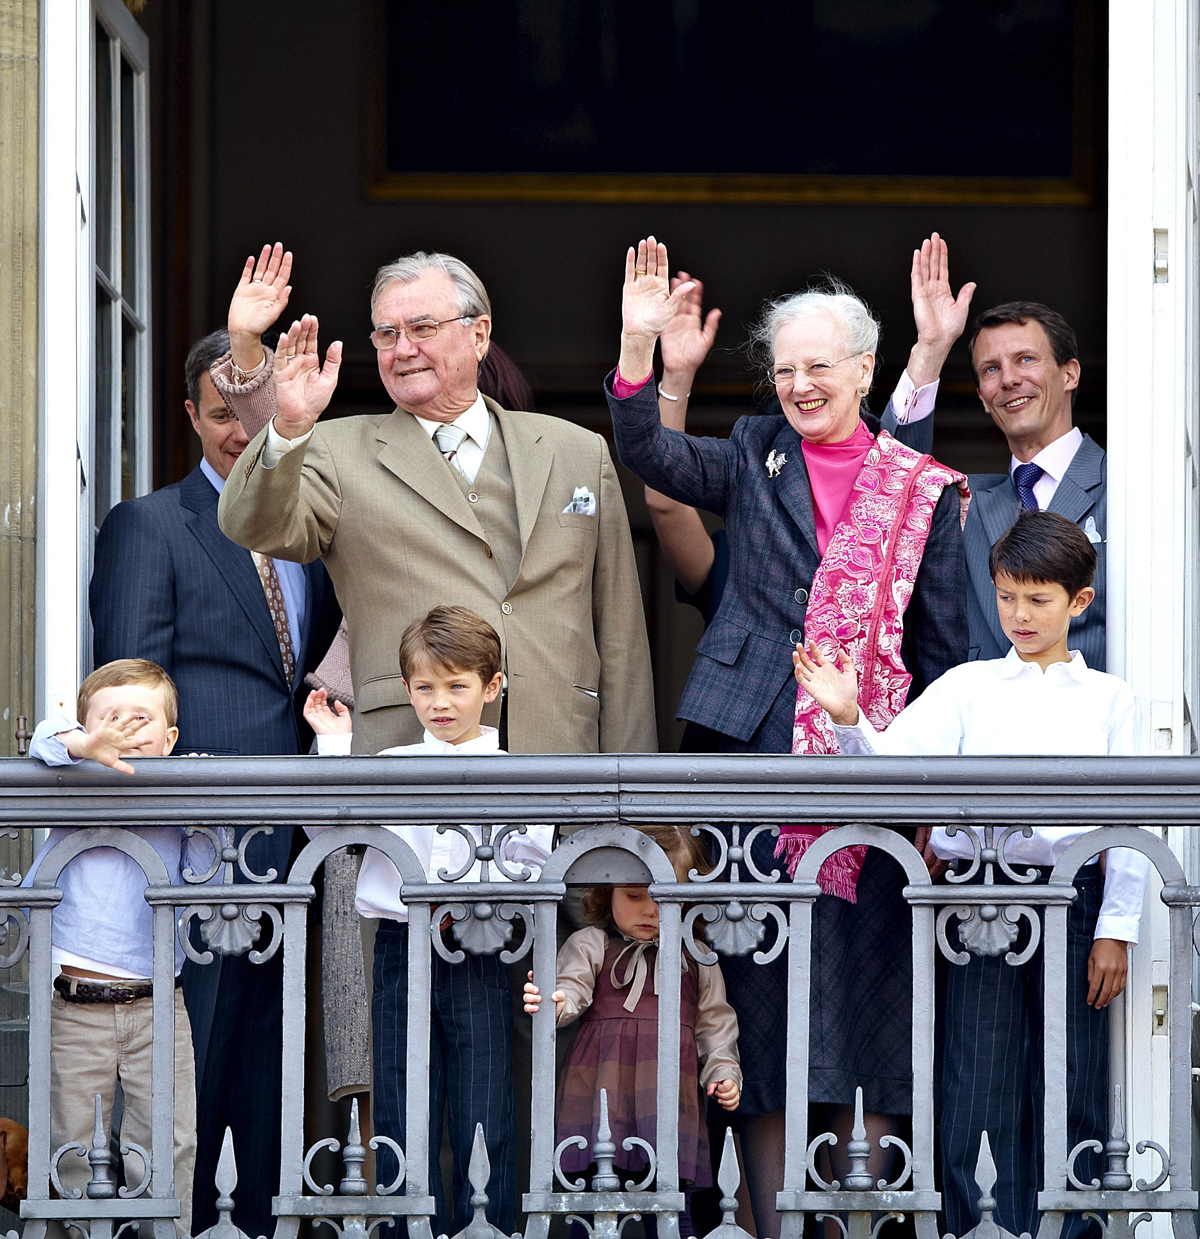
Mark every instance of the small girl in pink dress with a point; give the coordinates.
(607, 977)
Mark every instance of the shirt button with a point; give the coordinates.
(795, 636)
(473, 497)
(801, 595)
(487, 550)
(506, 607)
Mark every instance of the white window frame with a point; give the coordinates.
(67, 328)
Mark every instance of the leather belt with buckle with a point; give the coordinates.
(78, 989)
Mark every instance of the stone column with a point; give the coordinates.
(18, 360)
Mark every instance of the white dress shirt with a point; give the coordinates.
(292, 584)
(1054, 460)
(378, 893)
(913, 404)
(1005, 706)
(476, 421)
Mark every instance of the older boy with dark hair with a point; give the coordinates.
(1040, 699)
(101, 1020)
(450, 662)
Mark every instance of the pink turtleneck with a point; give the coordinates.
(832, 470)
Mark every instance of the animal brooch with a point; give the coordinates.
(775, 463)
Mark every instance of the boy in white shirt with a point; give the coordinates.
(450, 662)
(101, 1015)
(1042, 700)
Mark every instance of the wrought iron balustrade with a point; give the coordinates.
(738, 908)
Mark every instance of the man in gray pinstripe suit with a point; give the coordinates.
(1025, 360)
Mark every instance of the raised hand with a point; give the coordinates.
(105, 743)
(324, 719)
(648, 304)
(303, 387)
(688, 338)
(833, 686)
(259, 299)
(940, 316)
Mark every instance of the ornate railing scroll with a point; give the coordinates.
(742, 907)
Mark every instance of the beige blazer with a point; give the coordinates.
(373, 497)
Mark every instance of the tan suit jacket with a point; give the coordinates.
(373, 497)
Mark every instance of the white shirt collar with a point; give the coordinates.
(1014, 665)
(213, 476)
(476, 421)
(488, 741)
(1055, 458)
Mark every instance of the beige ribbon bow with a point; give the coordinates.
(636, 970)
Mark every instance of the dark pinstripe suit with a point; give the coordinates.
(169, 586)
(1082, 496)
(741, 684)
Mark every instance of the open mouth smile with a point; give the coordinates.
(1018, 403)
(811, 406)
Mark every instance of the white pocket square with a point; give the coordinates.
(1093, 534)
(582, 502)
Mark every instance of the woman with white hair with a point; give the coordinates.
(841, 536)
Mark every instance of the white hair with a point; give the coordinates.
(472, 297)
(834, 299)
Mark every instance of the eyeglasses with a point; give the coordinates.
(385, 338)
(787, 374)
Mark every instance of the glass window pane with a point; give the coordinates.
(129, 195)
(102, 221)
(105, 416)
(129, 406)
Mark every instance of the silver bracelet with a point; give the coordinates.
(667, 395)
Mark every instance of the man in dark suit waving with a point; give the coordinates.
(1024, 357)
(237, 633)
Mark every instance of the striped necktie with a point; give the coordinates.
(449, 439)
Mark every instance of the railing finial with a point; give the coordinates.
(103, 1183)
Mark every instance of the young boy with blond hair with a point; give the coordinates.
(1042, 699)
(102, 940)
(451, 664)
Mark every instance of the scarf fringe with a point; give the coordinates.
(838, 876)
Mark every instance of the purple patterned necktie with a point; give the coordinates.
(1026, 476)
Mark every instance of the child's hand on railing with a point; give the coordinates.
(533, 999)
(726, 1092)
(324, 720)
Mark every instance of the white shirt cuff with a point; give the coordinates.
(913, 404)
(277, 447)
(335, 746)
(856, 741)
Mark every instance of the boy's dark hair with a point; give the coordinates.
(1058, 331)
(202, 355)
(684, 850)
(1044, 546)
(124, 671)
(454, 638)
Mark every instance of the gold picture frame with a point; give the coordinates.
(1077, 190)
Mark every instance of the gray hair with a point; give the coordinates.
(833, 298)
(472, 297)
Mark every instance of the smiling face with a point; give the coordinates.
(222, 439)
(435, 378)
(1036, 615)
(449, 703)
(634, 913)
(140, 701)
(822, 400)
(1025, 391)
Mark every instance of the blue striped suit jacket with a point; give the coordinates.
(169, 586)
(744, 661)
(1082, 496)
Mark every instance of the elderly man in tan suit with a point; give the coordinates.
(448, 499)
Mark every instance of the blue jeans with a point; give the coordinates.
(470, 1068)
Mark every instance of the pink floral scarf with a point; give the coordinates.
(859, 594)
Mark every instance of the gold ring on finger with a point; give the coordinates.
(638, 271)
(290, 356)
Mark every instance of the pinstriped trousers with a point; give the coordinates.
(470, 1071)
(993, 1074)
